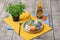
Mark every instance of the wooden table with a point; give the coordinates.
(52, 7)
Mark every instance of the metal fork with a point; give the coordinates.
(20, 23)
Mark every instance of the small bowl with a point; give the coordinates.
(33, 26)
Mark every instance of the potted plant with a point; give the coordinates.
(15, 10)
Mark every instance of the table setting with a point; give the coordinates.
(26, 24)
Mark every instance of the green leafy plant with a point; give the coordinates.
(15, 10)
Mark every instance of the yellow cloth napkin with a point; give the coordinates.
(23, 33)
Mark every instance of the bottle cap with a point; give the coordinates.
(39, 5)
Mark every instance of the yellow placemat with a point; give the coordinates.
(29, 36)
(25, 35)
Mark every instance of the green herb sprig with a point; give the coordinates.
(15, 10)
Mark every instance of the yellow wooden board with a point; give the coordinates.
(23, 33)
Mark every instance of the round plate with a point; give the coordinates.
(33, 26)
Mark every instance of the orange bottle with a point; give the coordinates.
(39, 13)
